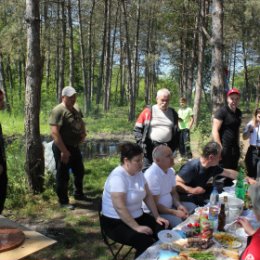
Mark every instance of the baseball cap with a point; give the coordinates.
(68, 91)
(233, 91)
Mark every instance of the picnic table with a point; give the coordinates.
(155, 252)
(34, 241)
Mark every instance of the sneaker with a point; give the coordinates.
(67, 206)
(80, 197)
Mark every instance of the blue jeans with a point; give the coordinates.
(174, 220)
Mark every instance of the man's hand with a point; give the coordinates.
(182, 208)
(181, 214)
(82, 137)
(197, 190)
(65, 156)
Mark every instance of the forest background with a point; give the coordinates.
(117, 54)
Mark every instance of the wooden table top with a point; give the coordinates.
(34, 241)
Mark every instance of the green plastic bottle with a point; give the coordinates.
(240, 189)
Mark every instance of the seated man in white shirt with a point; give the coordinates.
(160, 177)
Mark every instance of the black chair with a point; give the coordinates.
(114, 247)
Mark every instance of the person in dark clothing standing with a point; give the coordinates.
(68, 130)
(157, 125)
(3, 168)
(225, 131)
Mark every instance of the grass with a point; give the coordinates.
(77, 232)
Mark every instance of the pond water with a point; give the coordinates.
(99, 148)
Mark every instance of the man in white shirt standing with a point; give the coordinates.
(160, 177)
(157, 124)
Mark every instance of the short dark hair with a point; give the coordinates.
(211, 148)
(129, 150)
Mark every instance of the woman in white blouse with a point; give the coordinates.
(252, 131)
(122, 216)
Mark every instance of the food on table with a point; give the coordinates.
(192, 229)
(168, 235)
(234, 254)
(210, 254)
(227, 240)
(206, 229)
(191, 244)
(10, 238)
(202, 210)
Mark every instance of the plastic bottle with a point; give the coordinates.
(222, 218)
(214, 208)
(240, 187)
(247, 200)
(225, 200)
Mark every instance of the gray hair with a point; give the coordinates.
(158, 151)
(163, 92)
(254, 193)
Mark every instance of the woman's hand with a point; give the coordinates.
(162, 221)
(246, 225)
(144, 229)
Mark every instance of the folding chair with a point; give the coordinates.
(114, 247)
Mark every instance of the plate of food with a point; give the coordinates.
(227, 240)
(215, 254)
(188, 244)
(168, 236)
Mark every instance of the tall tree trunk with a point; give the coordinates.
(201, 46)
(122, 67)
(62, 49)
(71, 46)
(247, 86)
(57, 56)
(108, 59)
(191, 65)
(136, 50)
(102, 59)
(10, 79)
(217, 78)
(234, 65)
(131, 115)
(20, 77)
(257, 100)
(2, 83)
(90, 63)
(34, 164)
(83, 63)
(48, 44)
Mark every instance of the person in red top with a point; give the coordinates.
(252, 251)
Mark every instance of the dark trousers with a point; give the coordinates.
(197, 199)
(230, 158)
(3, 187)
(252, 161)
(117, 230)
(184, 143)
(75, 165)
